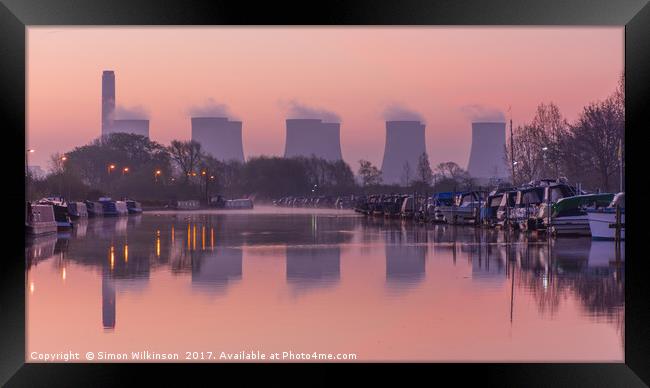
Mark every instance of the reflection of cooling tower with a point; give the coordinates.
(404, 145)
(486, 159)
(312, 137)
(215, 270)
(313, 266)
(108, 100)
(405, 263)
(219, 137)
(136, 127)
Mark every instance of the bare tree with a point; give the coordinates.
(424, 169)
(187, 155)
(406, 174)
(370, 175)
(595, 139)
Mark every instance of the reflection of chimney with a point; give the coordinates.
(219, 137)
(108, 302)
(108, 100)
(307, 137)
(486, 158)
(404, 144)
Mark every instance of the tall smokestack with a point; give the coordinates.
(404, 144)
(108, 100)
(486, 158)
(219, 137)
(313, 137)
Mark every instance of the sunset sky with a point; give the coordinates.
(359, 74)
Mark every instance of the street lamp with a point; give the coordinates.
(111, 167)
(125, 170)
(157, 174)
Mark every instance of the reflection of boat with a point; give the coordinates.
(39, 219)
(602, 221)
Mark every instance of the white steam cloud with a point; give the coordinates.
(298, 110)
(480, 113)
(397, 112)
(210, 108)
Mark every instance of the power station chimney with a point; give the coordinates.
(313, 137)
(108, 100)
(404, 145)
(219, 137)
(486, 158)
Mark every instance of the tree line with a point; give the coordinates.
(588, 151)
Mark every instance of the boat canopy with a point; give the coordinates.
(578, 201)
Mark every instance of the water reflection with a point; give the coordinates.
(313, 266)
(357, 257)
(212, 272)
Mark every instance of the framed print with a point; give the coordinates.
(345, 185)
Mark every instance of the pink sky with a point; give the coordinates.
(355, 72)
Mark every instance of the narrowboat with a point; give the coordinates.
(244, 203)
(94, 209)
(77, 210)
(60, 208)
(133, 207)
(39, 219)
(602, 222)
(113, 208)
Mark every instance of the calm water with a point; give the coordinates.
(272, 280)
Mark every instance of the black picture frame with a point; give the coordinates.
(16, 15)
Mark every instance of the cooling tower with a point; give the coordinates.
(404, 145)
(108, 100)
(312, 137)
(219, 137)
(136, 127)
(486, 158)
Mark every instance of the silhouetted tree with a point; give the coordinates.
(186, 155)
(424, 172)
(370, 175)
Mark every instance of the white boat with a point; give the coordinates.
(602, 221)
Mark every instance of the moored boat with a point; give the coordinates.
(113, 208)
(133, 207)
(77, 210)
(39, 219)
(60, 208)
(94, 209)
(602, 222)
(569, 214)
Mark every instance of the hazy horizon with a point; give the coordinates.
(359, 76)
